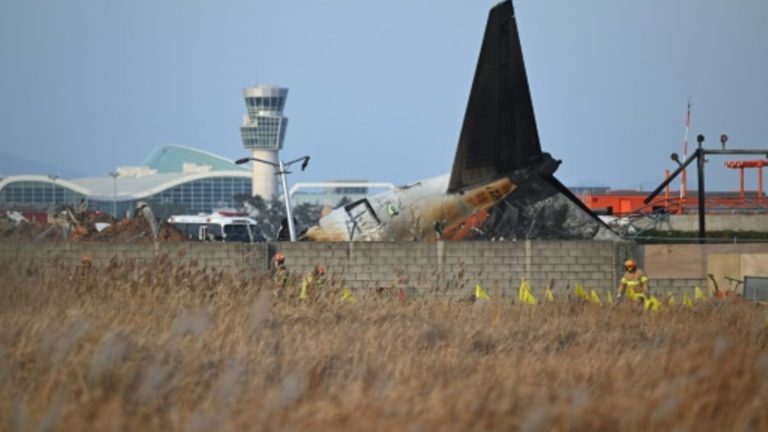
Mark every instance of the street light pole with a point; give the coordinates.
(282, 171)
(114, 175)
(288, 207)
(702, 195)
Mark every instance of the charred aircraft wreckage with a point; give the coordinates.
(502, 184)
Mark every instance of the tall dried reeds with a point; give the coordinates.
(183, 347)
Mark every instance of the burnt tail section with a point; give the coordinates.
(499, 133)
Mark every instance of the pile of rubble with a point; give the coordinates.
(14, 228)
(136, 229)
(67, 225)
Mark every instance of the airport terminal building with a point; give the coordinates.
(178, 178)
(174, 178)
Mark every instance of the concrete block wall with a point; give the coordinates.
(715, 222)
(677, 286)
(679, 268)
(441, 268)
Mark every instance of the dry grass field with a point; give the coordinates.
(185, 348)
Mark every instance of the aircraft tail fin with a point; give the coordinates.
(499, 133)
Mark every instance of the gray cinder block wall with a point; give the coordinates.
(441, 268)
(677, 286)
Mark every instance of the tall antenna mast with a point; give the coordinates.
(684, 180)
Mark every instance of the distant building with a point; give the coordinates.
(626, 202)
(333, 192)
(180, 179)
(581, 190)
(263, 132)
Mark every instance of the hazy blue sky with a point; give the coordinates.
(378, 89)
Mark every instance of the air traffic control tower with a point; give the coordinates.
(263, 132)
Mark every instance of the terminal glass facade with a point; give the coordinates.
(37, 195)
(197, 196)
(204, 195)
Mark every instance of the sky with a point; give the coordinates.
(378, 89)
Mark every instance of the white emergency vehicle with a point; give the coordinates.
(219, 226)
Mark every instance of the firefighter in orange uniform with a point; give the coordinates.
(634, 283)
(279, 274)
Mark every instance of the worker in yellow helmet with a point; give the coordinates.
(634, 281)
(279, 274)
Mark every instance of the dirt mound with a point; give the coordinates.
(127, 230)
(25, 231)
(133, 230)
(170, 233)
(90, 219)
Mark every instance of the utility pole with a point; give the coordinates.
(684, 179)
(288, 207)
(702, 205)
(114, 175)
(282, 171)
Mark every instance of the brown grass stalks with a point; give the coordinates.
(173, 347)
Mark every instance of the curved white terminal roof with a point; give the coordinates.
(170, 158)
(45, 179)
(128, 188)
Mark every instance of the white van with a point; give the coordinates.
(218, 227)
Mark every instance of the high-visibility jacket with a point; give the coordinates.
(636, 280)
(281, 275)
(311, 282)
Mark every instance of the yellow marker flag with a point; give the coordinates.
(631, 294)
(529, 298)
(698, 294)
(346, 296)
(480, 293)
(652, 303)
(525, 295)
(609, 299)
(594, 298)
(580, 293)
(671, 299)
(687, 300)
(303, 291)
(548, 295)
(655, 304)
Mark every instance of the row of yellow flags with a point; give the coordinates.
(525, 296)
(346, 293)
